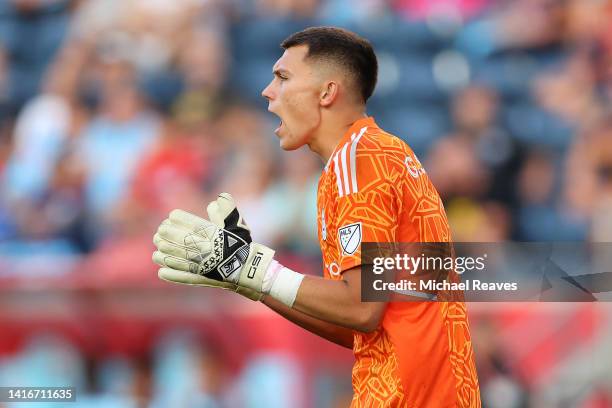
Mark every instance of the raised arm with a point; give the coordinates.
(220, 252)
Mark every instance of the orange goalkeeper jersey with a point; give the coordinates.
(373, 189)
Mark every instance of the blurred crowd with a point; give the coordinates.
(182, 370)
(114, 112)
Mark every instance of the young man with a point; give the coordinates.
(373, 189)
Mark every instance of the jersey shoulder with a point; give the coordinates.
(381, 155)
(370, 159)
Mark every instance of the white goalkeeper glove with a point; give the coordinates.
(220, 253)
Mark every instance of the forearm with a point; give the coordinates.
(332, 332)
(337, 302)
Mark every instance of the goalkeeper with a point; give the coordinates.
(373, 189)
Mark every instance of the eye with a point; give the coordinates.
(280, 76)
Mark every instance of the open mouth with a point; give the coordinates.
(280, 124)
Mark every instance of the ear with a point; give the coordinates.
(329, 93)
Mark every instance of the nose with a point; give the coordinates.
(267, 92)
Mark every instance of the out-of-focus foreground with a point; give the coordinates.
(114, 112)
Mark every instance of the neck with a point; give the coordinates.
(332, 130)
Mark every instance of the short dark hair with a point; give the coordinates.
(345, 48)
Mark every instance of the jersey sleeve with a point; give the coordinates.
(367, 206)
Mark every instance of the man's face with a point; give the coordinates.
(293, 95)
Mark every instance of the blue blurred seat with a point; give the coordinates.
(46, 360)
(419, 126)
(261, 38)
(270, 380)
(398, 35)
(550, 57)
(407, 78)
(250, 77)
(176, 368)
(545, 223)
(416, 79)
(535, 126)
(161, 88)
(31, 41)
(509, 75)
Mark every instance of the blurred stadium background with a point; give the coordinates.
(114, 112)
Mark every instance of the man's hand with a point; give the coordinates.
(217, 253)
(186, 278)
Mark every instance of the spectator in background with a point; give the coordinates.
(478, 163)
(191, 371)
(476, 113)
(41, 184)
(521, 24)
(295, 9)
(297, 192)
(46, 125)
(31, 31)
(454, 163)
(184, 160)
(147, 33)
(58, 213)
(40, 135)
(122, 130)
(569, 92)
(421, 9)
(536, 185)
(7, 223)
(499, 385)
(255, 192)
(601, 220)
(249, 151)
(203, 65)
(340, 12)
(4, 85)
(586, 190)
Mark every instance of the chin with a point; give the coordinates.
(288, 146)
(288, 143)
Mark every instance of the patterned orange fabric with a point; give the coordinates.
(374, 189)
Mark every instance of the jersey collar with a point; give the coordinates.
(353, 131)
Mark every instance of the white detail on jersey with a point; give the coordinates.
(338, 179)
(347, 188)
(353, 158)
(328, 162)
(414, 166)
(333, 269)
(347, 184)
(323, 225)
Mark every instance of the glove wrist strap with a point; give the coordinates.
(270, 276)
(255, 268)
(265, 275)
(285, 284)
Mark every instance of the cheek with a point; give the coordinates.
(301, 110)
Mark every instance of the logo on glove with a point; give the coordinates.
(255, 264)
